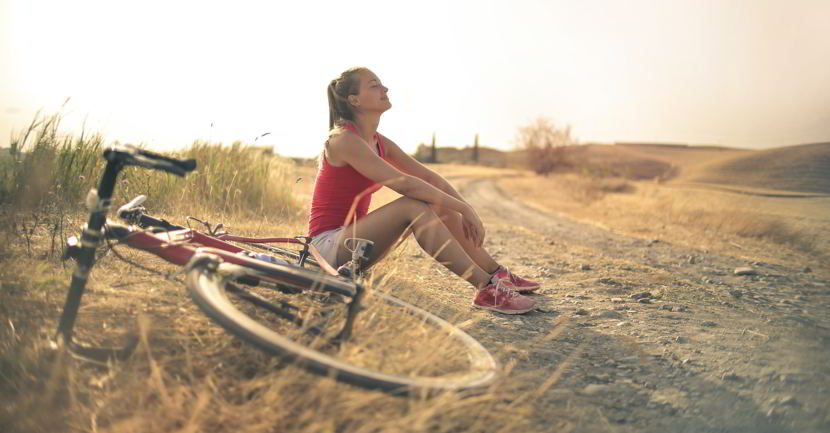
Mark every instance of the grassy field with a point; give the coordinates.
(723, 199)
(189, 375)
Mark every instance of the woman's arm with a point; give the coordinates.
(409, 165)
(353, 150)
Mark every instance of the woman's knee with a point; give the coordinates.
(415, 209)
(442, 212)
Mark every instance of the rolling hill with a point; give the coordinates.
(801, 168)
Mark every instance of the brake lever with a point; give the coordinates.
(132, 205)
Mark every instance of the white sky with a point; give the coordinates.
(745, 73)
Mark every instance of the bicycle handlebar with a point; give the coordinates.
(131, 155)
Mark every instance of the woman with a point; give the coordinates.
(357, 161)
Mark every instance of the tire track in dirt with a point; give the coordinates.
(713, 352)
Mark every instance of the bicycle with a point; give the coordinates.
(257, 311)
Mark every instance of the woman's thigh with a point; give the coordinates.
(383, 226)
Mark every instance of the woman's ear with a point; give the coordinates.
(353, 99)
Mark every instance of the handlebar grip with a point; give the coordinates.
(131, 155)
(184, 164)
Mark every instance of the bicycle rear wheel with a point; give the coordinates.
(394, 346)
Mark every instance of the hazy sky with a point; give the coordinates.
(739, 73)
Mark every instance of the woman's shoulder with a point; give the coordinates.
(339, 137)
(340, 141)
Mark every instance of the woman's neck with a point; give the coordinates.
(367, 125)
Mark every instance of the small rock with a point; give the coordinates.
(623, 323)
(730, 376)
(640, 295)
(609, 281)
(667, 307)
(595, 388)
(681, 309)
(745, 271)
(644, 300)
(617, 300)
(581, 312)
(788, 400)
(653, 241)
(607, 314)
(736, 293)
(686, 361)
(692, 260)
(585, 267)
(709, 324)
(681, 340)
(807, 270)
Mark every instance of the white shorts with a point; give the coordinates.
(327, 243)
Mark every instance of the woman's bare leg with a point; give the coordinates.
(479, 255)
(385, 225)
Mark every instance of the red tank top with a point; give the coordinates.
(336, 188)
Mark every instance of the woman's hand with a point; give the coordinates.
(473, 228)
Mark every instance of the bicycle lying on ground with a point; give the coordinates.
(290, 303)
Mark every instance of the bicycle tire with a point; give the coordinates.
(207, 284)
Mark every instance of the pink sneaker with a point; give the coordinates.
(501, 298)
(522, 285)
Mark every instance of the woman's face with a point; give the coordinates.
(372, 96)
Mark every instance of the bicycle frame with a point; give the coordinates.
(181, 246)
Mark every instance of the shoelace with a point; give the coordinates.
(504, 288)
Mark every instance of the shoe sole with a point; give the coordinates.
(495, 309)
(526, 290)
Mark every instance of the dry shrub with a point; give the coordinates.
(545, 145)
(587, 190)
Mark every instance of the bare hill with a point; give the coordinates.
(683, 157)
(801, 168)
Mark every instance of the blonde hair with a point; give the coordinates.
(339, 90)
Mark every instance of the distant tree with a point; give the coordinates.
(433, 156)
(475, 149)
(545, 144)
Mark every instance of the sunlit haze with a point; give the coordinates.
(735, 73)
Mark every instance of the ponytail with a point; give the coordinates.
(338, 92)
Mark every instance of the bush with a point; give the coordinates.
(545, 145)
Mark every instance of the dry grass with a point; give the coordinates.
(187, 373)
(701, 218)
(190, 375)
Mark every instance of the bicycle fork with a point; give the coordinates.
(98, 202)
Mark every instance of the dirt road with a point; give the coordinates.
(657, 337)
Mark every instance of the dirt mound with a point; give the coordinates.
(801, 168)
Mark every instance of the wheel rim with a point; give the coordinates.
(208, 290)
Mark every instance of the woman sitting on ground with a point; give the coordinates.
(357, 161)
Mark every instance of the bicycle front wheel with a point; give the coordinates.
(297, 314)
